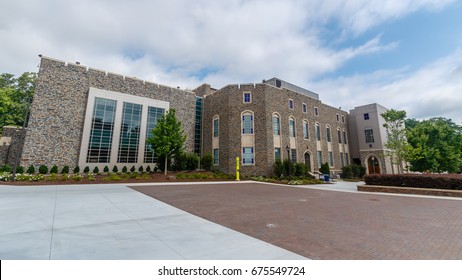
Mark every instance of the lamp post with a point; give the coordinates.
(373, 164)
(288, 157)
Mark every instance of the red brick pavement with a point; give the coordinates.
(327, 224)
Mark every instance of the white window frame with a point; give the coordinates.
(243, 97)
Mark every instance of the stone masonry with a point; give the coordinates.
(58, 110)
(11, 144)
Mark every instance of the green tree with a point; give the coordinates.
(436, 146)
(15, 95)
(398, 147)
(167, 139)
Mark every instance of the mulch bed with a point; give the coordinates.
(322, 224)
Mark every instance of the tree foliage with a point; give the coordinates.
(398, 147)
(436, 146)
(167, 139)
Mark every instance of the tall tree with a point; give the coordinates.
(438, 144)
(15, 95)
(167, 139)
(398, 148)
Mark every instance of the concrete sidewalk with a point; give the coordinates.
(113, 222)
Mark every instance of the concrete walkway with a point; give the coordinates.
(113, 222)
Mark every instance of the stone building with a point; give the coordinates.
(82, 116)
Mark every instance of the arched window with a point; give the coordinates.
(291, 127)
(247, 122)
(276, 124)
(216, 124)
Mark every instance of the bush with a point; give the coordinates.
(192, 162)
(124, 169)
(96, 170)
(106, 169)
(115, 169)
(133, 169)
(207, 161)
(65, 177)
(6, 168)
(43, 169)
(76, 170)
(353, 171)
(347, 172)
(300, 169)
(325, 169)
(78, 177)
(140, 169)
(86, 169)
(289, 167)
(31, 170)
(52, 177)
(278, 168)
(54, 169)
(433, 181)
(65, 170)
(148, 169)
(19, 170)
(5, 176)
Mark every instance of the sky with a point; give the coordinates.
(402, 54)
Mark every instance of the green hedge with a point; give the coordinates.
(430, 181)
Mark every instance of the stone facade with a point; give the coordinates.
(58, 110)
(227, 103)
(11, 144)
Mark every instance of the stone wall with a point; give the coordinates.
(58, 110)
(10, 149)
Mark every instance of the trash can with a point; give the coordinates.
(326, 177)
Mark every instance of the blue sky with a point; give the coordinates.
(402, 54)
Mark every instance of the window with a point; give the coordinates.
(369, 134)
(276, 125)
(366, 116)
(328, 136)
(129, 133)
(247, 97)
(319, 159)
(154, 114)
(341, 160)
(306, 130)
(331, 159)
(247, 155)
(215, 157)
(216, 123)
(339, 135)
(293, 155)
(338, 117)
(318, 132)
(292, 127)
(316, 112)
(304, 108)
(102, 129)
(198, 126)
(343, 119)
(344, 137)
(347, 159)
(247, 123)
(291, 104)
(277, 154)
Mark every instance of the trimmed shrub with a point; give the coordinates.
(86, 169)
(207, 161)
(96, 170)
(6, 168)
(124, 169)
(31, 170)
(115, 169)
(300, 169)
(325, 169)
(76, 170)
(192, 162)
(106, 169)
(65, 170)
(278, 168)
(54, 169)
(141, 169)
(432, 181)
(133, 169)
(19, 170)
(43, 169)
(289, 167)
(347, 172)
(148, 169)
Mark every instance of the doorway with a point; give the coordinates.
(373, 165)
(308, 161)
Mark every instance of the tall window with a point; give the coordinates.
(316, 111)
(347, 159)
(319, 159)
(344, 137)
(343, 119)
(154, 114)
(341, 160)
(247, 97)
(338, 117)
(130, 133)
(293, 155)
(247, 155)
(318, 132)
(328, 136)
(277, 154)
(331, 159)
(292, 127)
(198, 126)
(369, 134)
(305, 130)
(215, 157)
(304, 108)
(216, 123)
(102, 129)
(291, 104)
(247, 123)
(276, 125)
(339, 135)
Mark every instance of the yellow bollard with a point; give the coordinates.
(237, 169)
